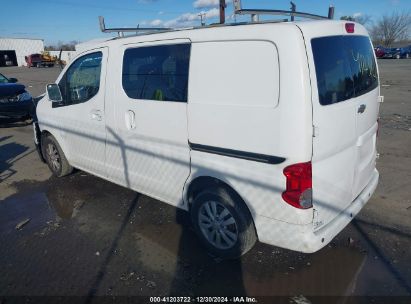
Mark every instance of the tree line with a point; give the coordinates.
(65, 46)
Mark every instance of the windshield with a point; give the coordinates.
(3, 79)
(345, 67)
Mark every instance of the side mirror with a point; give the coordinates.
(13, 80)
(54, 93)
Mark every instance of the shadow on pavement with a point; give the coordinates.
(14, 122)
(108, 240)
(146, 248)
(9, 153)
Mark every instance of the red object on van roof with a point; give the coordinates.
(349, 27)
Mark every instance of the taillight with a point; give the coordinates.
(349, 27)
(298, 191)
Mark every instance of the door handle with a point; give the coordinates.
(130, 120)
(361, 108)
(96, 115)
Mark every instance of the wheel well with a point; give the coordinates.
(43, 135)
(199, 184)
(205, 182)
(39, 136)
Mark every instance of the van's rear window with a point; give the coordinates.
(345, 67)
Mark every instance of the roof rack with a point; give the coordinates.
(238, 10)
(292, 13)
(122, 30)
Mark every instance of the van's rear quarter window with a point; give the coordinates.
(345, 67)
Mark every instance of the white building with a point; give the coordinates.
(13, 50)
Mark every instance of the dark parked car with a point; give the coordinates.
(397, 53)
(15, 101)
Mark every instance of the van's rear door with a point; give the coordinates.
(345, 94)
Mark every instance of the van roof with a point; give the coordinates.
(211, 32)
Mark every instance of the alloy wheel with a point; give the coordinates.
(218, 225)
(53, 156)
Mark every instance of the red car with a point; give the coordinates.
(379, 51)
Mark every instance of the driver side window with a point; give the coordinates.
(82, 80)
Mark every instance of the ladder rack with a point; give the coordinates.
(121, 30)
(292, 13)
(238, 10)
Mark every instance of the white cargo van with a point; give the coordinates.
(261, 131)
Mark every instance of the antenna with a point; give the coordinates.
(121, 30)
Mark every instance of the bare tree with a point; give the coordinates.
(391, 28)
(362, 19)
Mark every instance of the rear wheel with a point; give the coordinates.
(398, 56)
(223, 222)
(55, 158)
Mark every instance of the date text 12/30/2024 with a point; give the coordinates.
(203, 300)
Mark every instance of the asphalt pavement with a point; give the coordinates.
(83, 236)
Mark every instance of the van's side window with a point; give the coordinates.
(82, 80)
(157, 72)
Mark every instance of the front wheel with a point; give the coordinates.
(55, 158)
(223, 223)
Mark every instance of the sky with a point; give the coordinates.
(68, 20)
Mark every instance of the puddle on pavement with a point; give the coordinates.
(19, 208)
(146, 237)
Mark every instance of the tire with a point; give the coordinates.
(229, 236)
(397, 56)
(54, 156)
(38, 65)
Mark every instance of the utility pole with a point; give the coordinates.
(202, 17)
(222, 11)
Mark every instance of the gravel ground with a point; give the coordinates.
(87, 237)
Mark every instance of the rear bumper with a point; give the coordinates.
(17, 109)
(303, 238)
